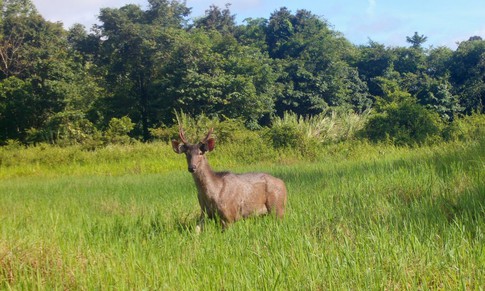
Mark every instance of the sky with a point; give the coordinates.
(443, 22)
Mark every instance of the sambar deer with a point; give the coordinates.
(226, 195)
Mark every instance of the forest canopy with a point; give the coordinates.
(137, 67)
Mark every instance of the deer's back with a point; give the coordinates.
(251, 181)
(252, 193)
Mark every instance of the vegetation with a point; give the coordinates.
(382, 150)
(361, 216)
(70, 86)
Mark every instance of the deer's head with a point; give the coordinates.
(193, 152)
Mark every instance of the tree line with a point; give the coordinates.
(135, 68)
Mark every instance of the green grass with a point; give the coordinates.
(358, 217)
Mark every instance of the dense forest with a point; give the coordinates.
(137, 67)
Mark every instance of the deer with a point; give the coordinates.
(226, 196)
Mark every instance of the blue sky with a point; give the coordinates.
(444, 22)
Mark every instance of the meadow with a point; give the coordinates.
(359, 216)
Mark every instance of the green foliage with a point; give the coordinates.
(307, 134)
(16, 107)
(40, 79)
(406, 123)
(467, 74)
(400, 119)
(437, 96)
(467, 128)
(374, 61)
(124, 217)
(224, 79)
(416, 40)
(392, 93)
(217, 19)
(409, 60)
(66, 128)
(226, 130)
(312, 63)
(287, 135)
(72, 128)
(118, 130)
(144, 63)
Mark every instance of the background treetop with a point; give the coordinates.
(144, 63)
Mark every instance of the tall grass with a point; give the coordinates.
(360, 217)
(327, 127)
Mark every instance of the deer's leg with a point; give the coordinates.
(280, 204)
(275, 196)
(200, 223)
(276, 203)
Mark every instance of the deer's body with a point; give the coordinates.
(235, 196)
(227, 195)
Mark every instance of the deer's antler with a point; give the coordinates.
(182, 135)
(208, 135)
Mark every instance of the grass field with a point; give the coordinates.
(358, 217)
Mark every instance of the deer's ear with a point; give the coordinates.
(177, 146)
(207, 145)
(211, 144)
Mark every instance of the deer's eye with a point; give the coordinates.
(203, 148)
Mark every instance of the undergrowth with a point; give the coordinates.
(360, 217)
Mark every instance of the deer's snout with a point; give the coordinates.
(193, 161)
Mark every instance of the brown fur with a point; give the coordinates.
(230, 196)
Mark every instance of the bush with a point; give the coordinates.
(306, 133)
(118, 130)
(285, 136)
(465, 128)
(406, 123)
(66, 129)
(292, 132)
(226, 130)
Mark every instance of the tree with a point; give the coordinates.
(346, 89)
(86, 47)
(253, 33)
(40, 78)
(217, 19)
(468, 74)
(433, 93)
(438, 62)
(408, 60)
(167, 13)
(407, 123)
(312, 61)
(134, 43)
(399, 118)
(16, 16)
(416, 40)
(210, 73)
(373, 61)
(393, 93)
(280, 30)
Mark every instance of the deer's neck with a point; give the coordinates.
(207, 182)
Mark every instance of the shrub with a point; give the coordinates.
(286, 136)
(293, 132)
(226, 130)
(118, 130)
(65, 129)
(407, 123)
(328, 127)
(465, 128)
